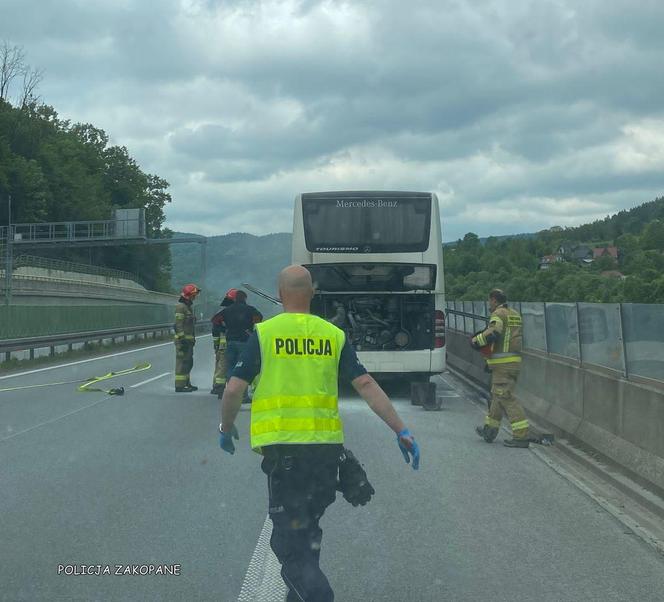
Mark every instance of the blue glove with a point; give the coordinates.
(408, 445)
(226, 439)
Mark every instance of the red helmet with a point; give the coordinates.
(189, 291)
(231, 293)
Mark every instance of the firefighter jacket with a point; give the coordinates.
(218, 330)
(296, 396)
(185, 322)
(504, 333)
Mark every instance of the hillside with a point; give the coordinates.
(232, 260)
(636, 276)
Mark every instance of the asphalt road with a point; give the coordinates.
(139, 480)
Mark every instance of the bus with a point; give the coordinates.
(376, 259)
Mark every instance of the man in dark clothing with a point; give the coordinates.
(238, 322)
(219, 342)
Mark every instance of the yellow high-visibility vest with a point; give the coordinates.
(296, 395)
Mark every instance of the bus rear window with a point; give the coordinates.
(354, 224)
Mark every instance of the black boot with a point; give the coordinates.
(488, 433)
(185, 389)
(516, 443)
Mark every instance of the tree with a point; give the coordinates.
(31, 79)
(653, 236)
(604, 263)
(11, 66)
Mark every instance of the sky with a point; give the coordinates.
(520, 115)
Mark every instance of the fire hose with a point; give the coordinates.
(89, 383)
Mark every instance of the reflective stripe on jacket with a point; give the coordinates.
(296, 396)
(185, 322)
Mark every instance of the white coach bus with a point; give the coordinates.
(377, 263)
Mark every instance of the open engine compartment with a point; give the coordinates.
(381, 322)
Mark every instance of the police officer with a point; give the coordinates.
(185, 338)
(219, 343)
(295, 424)
(503, 338)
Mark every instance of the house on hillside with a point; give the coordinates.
(583, 255)
(605, 252)
(548, 260)
(566, 249)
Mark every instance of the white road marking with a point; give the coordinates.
(92, 359)
(448, 384)
(149, 380)
(262, 581)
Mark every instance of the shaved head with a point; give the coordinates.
(296, 288)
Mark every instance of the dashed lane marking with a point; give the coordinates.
(149, 380)
(263, 582)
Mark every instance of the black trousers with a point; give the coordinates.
(301, 482)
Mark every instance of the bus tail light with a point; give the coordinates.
(439, 329)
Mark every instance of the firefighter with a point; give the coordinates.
(295, 425)
(219, 342)
(185, 338)
(500, 343)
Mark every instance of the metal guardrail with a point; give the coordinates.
(32, 261)
(8, 346)
(625, 338)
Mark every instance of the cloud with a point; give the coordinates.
(541, 112)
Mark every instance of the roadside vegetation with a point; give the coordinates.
(55, 170)
(635, 275)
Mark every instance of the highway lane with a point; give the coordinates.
(132, 479)
(98, 480)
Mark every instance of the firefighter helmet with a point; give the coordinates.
(189, 291)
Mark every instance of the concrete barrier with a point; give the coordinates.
(45, 273)
(622, 419)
